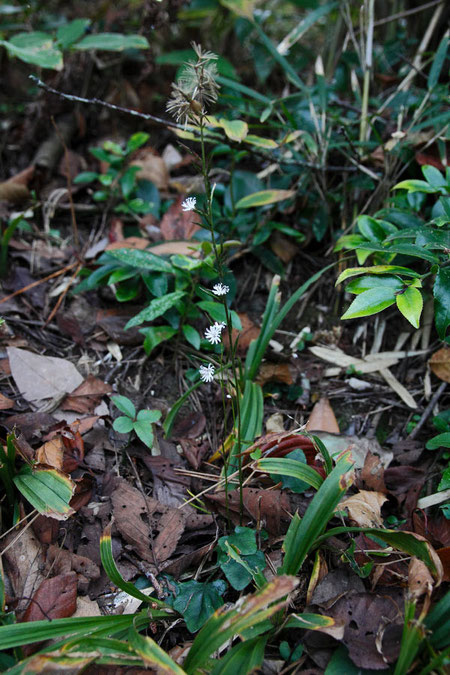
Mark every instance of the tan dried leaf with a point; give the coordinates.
(440, 364)
(364, 508)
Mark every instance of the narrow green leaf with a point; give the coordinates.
(284, 466)
(438, 62)
(113, 573)
(112, 42)
(414, 185)
(156, 308)
(410, 304)
(260, 142)
(245, 657)
(48, 490)
(310, 621)
(303, 533)
(152, 654)
(264, 197)
(370, 302)
(124, 404)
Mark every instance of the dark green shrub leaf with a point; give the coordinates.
(155, 335)
(441, 292)
(196, 601)
(156, 308)
(370, 302)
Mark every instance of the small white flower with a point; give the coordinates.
(220, 289)
(213, 333)
(189, 204)
(206, 373)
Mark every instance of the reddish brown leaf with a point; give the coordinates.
(113, 322)
(190, 426)
(249, 332)
(283, 247)
(85, 398)
(56, 598)
(423, 159)
(194, 451)
(51, 453)
(6, 403)
(69, 325)
(83, 492)
(152, 167)
(267, 507)
(372, 473)
(46, 529)
(444, 557)
(420, 581)
(177, 224)
(275, 372)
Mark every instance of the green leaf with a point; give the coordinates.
(136, 141)
(439, 441)
(444, 483)
(113, 573)
(185, 262)
(433, 176)
(238, 557)
(123, 425)
(49, 491)
(85, 177)
(365, 283)
(144, 432)
(192, 336)
(153, 655)
(128, 181)
(225, 624)
(145, 260)
(36, 48)
(70, 32)
(373, 229)
(376, 269)
(293, 483)
(410, 304)
(237, 130)
(245, 657)
(156, 308)
(370, 302)
(155, 335)
(415, 186)
(112, 42)
(260, 142)
(308, 621)
(196, 601)
(125, 405)
(217, 312)
(264, 197)
(441, 292)
(149, 416)
(302, 533)
(438, 62)
(291, 467)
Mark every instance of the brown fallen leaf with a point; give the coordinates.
(372, 473)
(322, 418)
(444, 557)
(6, 403)
(51, 453)
(128, 242)
(15, 189)
(56, 598)
(85, 398)
(283, 247)
(177, 224)
(61, 561)
(267, 507)
(152, 167)
(440, 364)
(23, 562)
(113, 322)
(249, 332)
(364, 508)
(275, 372)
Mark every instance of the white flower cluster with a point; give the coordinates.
(220, 289)
(206, 373)
(189, 204)
(213, 333)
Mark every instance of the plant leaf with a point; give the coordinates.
(196, 601)
(370, 302)
(123, 425)
(291, 467)
(441, 292)
(48, 490)
(153, 655)
(112, 42)
(124, 404)
(156, 308)
(154, 335)
(264, 197)
(410, 304)
(376, 269)
(145, 260)
(245, 657)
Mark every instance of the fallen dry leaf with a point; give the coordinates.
(322, 418)
(250, 331)
(177, 224)
(440, 364)
(372, 473)
(283, 247)
(15, 189)
(85, 398)
(23, 564)
(56, 598)
(128, 242)
(420, 581)
(274, 372)
(364, 508)
(152, 168)
(267, 507)
(41, 377)
(174, 247)
(51, 453)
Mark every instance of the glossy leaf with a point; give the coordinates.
(196, 601)
(284, 466)
(236, 130)
(410, 304)
(192, 336)
(375, 269)
(155, 335)
(414, 185)
(263, 198)
(439, 441)
(217, 312)
(441, 292)
(365, 283)
(156, 308)
(36, 48)
(438, 62)
(370, 302)
(260, 142)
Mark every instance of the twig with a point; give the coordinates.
(63, 295)
(38, 282)
(428, 410)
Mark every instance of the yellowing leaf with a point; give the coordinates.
(261, 142)
(264, 197)
(410, 304)
(237, 130)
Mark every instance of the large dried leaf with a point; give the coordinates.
(56, 598)
(268, 507)
(85, 398)
(40, 377)
(178, 224)
(440, 364)
(322, 418)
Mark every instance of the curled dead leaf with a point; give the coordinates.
(364, 508)
(440, 364)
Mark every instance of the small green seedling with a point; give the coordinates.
(140, 423)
